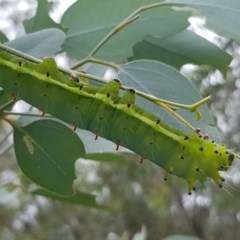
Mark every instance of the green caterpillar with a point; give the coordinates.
(193, 157)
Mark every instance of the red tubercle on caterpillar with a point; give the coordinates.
(74, 124)
(74, 77)
(198, 130)
(206, 137)
(41, 109)
(143, 158)
(13, 97)
(96, 135)
(117, 144)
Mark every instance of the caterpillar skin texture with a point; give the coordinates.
(193, 157)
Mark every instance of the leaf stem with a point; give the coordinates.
(94, 60)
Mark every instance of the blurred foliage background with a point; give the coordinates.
(141, 200)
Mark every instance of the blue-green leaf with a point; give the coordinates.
(182, 48)
(165, 82)
(88, 25)
(45, 43)
(221, 16)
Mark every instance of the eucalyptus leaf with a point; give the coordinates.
(45, 43)
(182, 48)
(46, 151)
(41, 20)
(165, 82)
(88, 25)
(214, 11)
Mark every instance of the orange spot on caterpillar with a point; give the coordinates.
(144, 156)
(118, 144)
(74, 124)
(41, 109)
(13, 97)
(96, 135)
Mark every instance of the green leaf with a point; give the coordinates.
(45, 43)
(88, 25)
(41, 20)
(181, 48)
(85, 199)
(221, 15)
(46, 151)
(165, 82)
